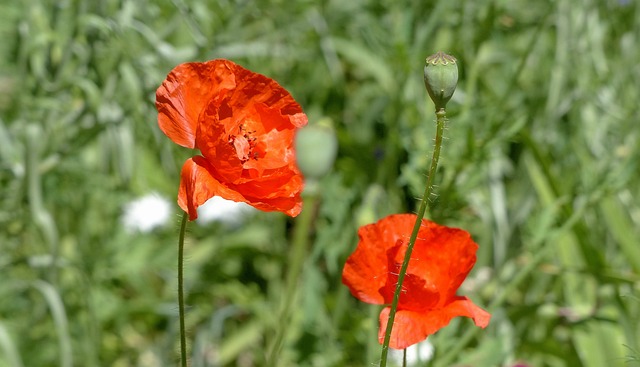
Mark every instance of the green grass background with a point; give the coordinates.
(540, 164)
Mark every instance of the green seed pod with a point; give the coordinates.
(316, 148)
(440, 78)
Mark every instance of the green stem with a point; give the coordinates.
(183, 337)
(296, 260)
(440, 121)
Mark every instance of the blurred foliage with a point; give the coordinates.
(540, 165)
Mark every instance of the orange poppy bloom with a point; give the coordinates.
(244, 125)
(441, 259)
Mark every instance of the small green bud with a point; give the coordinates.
(316, 149)
(440, 78)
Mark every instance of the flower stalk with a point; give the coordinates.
(316, 149)
(183, 334)
(441, 78)
(243, 124)
(440, 122)
(297, 258)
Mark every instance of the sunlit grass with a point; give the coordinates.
(540, 164)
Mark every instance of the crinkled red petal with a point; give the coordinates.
(366, 270)
(199, 183)
(418, 294)
(185, 93)
(412, 327)
(442, 257)
(250, 126)
(244, 124)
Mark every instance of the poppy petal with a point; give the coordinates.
(291, 206)
(185, 93)
(284, 183)
(244, 125)
(250, 126)
(417, 293)
(199, 183)
(443, 257)
(366, 270)
(412, 327)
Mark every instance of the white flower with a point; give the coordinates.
(223, 210)
(417, 354)
(146, 213)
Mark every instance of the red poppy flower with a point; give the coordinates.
(441, 259)
(244, 125)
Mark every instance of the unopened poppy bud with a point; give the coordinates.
(440, 78)
(316, 148)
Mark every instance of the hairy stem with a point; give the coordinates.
(183, 337)
(440, 121)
